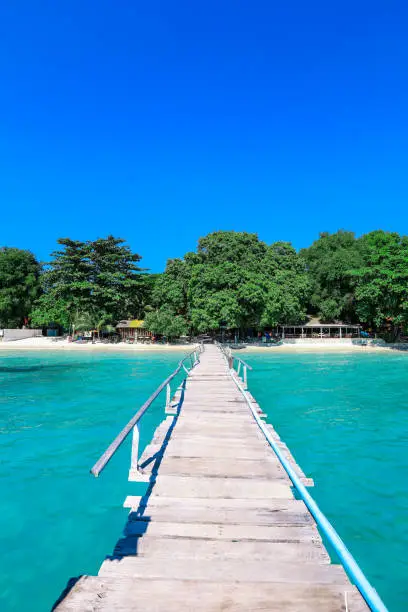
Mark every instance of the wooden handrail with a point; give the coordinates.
(113, 447)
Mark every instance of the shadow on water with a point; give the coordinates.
(70, 585)
(138, 521)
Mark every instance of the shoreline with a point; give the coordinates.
(322, 347)
(46, 344)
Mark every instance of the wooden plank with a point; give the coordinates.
(186, 486)
(211, 504)
(223, 531)
(220, 549)
(216, 570)
(102, 594)
(192, 514)
(226, 468)
(210, 448)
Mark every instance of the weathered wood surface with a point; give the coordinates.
(219, 528)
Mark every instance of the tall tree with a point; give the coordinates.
(287, 286)
(19, 285)
(115, 277)
(382, 281)
(68, 276)
(234, 280)
(94, 280)
(329, 261)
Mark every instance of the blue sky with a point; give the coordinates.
(163, 121)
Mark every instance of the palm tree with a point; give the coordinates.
(81, 321)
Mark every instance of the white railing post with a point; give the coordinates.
(135, 448)
(169, 408)
(134, 455)
(239, 368)
(195, 357)
(245, 377)
(168, 395)
(134, 473)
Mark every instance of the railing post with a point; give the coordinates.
(239, 368)
(168, 395)
(195, 356)
(245, 377)
(134, 473)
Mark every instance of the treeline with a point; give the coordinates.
(86, 285)
(233, 280)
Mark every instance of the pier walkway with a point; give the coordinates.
(219, 528)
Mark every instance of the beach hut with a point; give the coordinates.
(133, 330)
(317, 330)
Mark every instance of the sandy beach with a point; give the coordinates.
(50, 344)
(323, 347)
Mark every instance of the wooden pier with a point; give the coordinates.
(219, 528)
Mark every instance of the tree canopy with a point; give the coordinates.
(19, 285)
(98, 279)
(234, 280)
(381, 292)
(329, 261)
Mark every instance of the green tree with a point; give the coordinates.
(171, 288)
(287, 286)
(48, 310)
(166, 323)
(329, 261)
(382, 281)
(98, 279)
(234, 280)
(115, 277)
(19, 285)
(68, 277)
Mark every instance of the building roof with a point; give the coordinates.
(316, 322)
(130, 323)
(314, 325)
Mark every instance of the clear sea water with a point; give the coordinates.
(344, 416)
(345, 419)
(58, 412)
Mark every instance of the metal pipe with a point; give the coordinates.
(243, 362)
(121, 437)
(350, 564)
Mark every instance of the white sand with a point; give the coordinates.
(316, 346)
(329, 346)
(51, 344)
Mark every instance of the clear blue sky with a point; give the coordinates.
(163, 121)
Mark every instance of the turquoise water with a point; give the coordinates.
(58, 412)
(345, 418)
